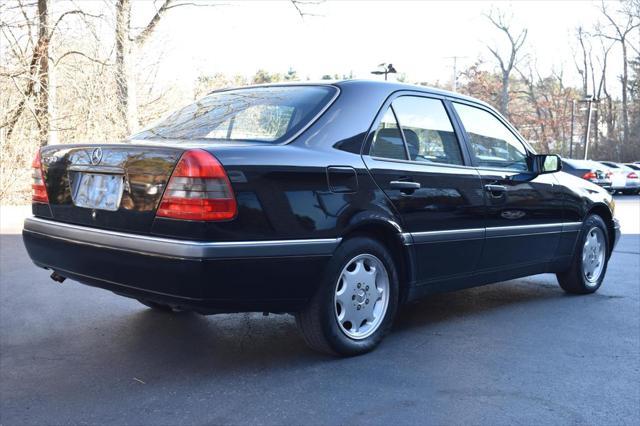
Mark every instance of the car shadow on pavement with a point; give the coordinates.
(222, 344)
(470, 303)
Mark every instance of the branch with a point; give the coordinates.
(153, 23)
(498, 58)
(75, 52)
(302, 13)
(73, 12)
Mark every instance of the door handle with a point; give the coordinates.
(496, 190)
(405, 185)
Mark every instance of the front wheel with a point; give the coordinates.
(590, 260)
(355, 305)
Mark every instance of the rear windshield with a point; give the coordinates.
(262, 114)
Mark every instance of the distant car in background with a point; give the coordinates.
(623, 178)
(589, 170)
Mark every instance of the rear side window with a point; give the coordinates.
(492, 143)
(262, 114)
(387, 141)
(427, 130)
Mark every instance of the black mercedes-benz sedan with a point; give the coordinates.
(334, 202)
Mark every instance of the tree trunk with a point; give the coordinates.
(42, 77)
(625, 106)
(504, 95)
(125, 84)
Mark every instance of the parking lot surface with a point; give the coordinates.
(517, 352)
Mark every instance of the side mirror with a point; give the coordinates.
(546, 163)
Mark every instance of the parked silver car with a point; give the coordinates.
(623, 178)
(589, 170)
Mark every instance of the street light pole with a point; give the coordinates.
(590, 100)
(454, 79)
(573, 115)
(386, 69)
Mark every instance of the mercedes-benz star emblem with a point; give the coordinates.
(96, 156)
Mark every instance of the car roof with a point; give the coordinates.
(389, 86)
(582, 163)
(393, 86)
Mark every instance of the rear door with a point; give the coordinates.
(524, 210)
(415, 157)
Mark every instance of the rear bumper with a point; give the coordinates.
(208, 277)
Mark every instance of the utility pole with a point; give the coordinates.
(590, 100)
(454, 79)
(573, 115)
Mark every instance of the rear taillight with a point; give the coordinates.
(39, 189)
(632, 175)
(589, 176)
(199, 189)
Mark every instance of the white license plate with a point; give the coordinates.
(98, 191)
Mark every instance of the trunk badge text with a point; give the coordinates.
(96, 156)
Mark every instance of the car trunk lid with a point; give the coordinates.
(110, 186)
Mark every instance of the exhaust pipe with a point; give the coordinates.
(57, 277)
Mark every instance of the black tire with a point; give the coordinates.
(318, 322)
(158, 306)
(573, 280)
(629, 191)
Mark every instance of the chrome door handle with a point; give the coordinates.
(404, 184)
(496, 190)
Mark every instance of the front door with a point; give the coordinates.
(524, 210)
(416, 158)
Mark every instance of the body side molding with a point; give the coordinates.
(491, 232)
(179, 248)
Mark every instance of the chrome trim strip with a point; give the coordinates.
(519, 230)
(409, 238)
(178, 248)
(571, 226)
(96, 169)
(448, 235)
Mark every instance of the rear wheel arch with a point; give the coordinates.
(605, 213)
(390, 236)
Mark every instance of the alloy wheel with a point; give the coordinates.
(361, 296)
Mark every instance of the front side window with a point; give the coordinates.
(262, 114)
(427, 130)
(387, 141)
(492, 143)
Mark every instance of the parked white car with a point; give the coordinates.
(623, 178)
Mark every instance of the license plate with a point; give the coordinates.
(98, 191)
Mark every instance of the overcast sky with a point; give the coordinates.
(354, 36)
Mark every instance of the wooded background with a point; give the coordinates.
(61, 82)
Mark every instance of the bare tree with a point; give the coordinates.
(510, 60)
(582, 65)
(621, 32)
(129, 44)
(37, 74)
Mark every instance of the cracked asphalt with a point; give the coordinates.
(517, 352)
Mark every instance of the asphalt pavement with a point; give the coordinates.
(517, 352)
